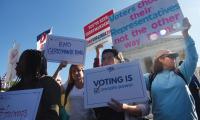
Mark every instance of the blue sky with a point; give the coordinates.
(23, 20)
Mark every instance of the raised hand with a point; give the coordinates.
(98, 47)
(62, 65)
(186, 25)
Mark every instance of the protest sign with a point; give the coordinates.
(123, 82)
(42, 38)
(98, 31)
(143, 22)
(19, 105)
(59, 49)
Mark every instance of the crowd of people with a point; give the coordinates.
(173, 91)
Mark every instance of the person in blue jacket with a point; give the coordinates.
(171, 98)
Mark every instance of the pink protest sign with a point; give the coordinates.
(143, 22)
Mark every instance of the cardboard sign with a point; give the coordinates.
(123, 82)
(67, 49)
(143, 22)
(98, 31)
(19, 105)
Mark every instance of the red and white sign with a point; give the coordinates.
(98, 30)
(42, 38)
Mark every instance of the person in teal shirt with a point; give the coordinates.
(171, 98)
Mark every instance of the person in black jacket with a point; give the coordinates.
(29, 73)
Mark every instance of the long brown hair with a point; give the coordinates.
(157, 66)
(70, 84)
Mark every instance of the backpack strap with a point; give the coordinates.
(151, 78)
(178, 72)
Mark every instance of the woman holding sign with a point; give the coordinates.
(168, 85)
(117, 110)
(73, 90)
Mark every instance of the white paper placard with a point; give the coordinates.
(60, 49)
(123, 82)
(19, 105)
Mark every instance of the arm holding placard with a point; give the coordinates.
(188, 67)
(97, 59)
(60, 67)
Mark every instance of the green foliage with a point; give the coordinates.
(9, 83)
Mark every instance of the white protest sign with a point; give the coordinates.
(19, 105)
(123, 82)
(98, 31)
(143, 22)
(67, 49)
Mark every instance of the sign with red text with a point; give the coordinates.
(98, 31)
(143, 22)
(19, 105)
(114, 81)
(68, 49)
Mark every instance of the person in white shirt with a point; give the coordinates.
(73, 90)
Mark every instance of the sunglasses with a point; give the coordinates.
(170, 56)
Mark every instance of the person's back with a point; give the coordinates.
(49, 103)
(50, 100)
(29, 77)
